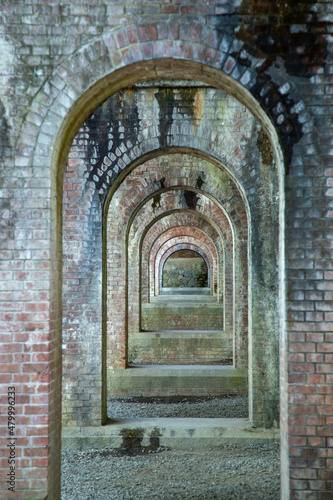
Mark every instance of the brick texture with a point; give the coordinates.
(58, 64)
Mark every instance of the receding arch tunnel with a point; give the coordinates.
(228, 193)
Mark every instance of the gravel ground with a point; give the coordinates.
(229, 473)
(213, 407)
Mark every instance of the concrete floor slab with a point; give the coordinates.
(180, 380)
(175, 433)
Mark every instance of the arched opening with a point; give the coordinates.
(204, 322)
(184, 269)
(189, 269)
(213, 188)
(222, 47)
(267, 124)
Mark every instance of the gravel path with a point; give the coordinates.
(213, 407)
(230, 473)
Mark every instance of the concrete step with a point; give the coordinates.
(180, 347)
(177, 380)
(182, 315)
(184, 299)
(184, 291)
(178, 433)
(185, 333)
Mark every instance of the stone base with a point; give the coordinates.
(178, 380)
(180, 347)
(182, 312)
(185, 291)
(175, 433)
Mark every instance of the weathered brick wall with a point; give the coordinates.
(82, 296)
(58, 63)
(186, 348)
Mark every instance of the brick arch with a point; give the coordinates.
(71, 94)
(166, 226)
(206, 155)
(186, 245)
(223, 241)
(231, 232)
(271, 291)
(167, 240)
(126, 198)
(63, 102)
(133, 197)
(243, 312)
(59, 102)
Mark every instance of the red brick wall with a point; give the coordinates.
(59, 63)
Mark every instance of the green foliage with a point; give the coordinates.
(201, 277)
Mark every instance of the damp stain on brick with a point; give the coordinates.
(191, 199)
(173, 102)
(288, 30)
(199, 182)
(113, 124)
(189, 104)
(161, 183)
(287, 35)
(166, 103)
(5, 133)
(289, 129)
(265, 149)
(156, 203)
(226, 24)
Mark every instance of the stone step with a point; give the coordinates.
(180, 347)
(185, 333)
(181, 315)
(184, 299)
(184, 291)
(177, 380)
(177, 433)
(183, 304)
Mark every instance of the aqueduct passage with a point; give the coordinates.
(182, 194)
(126, 135)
